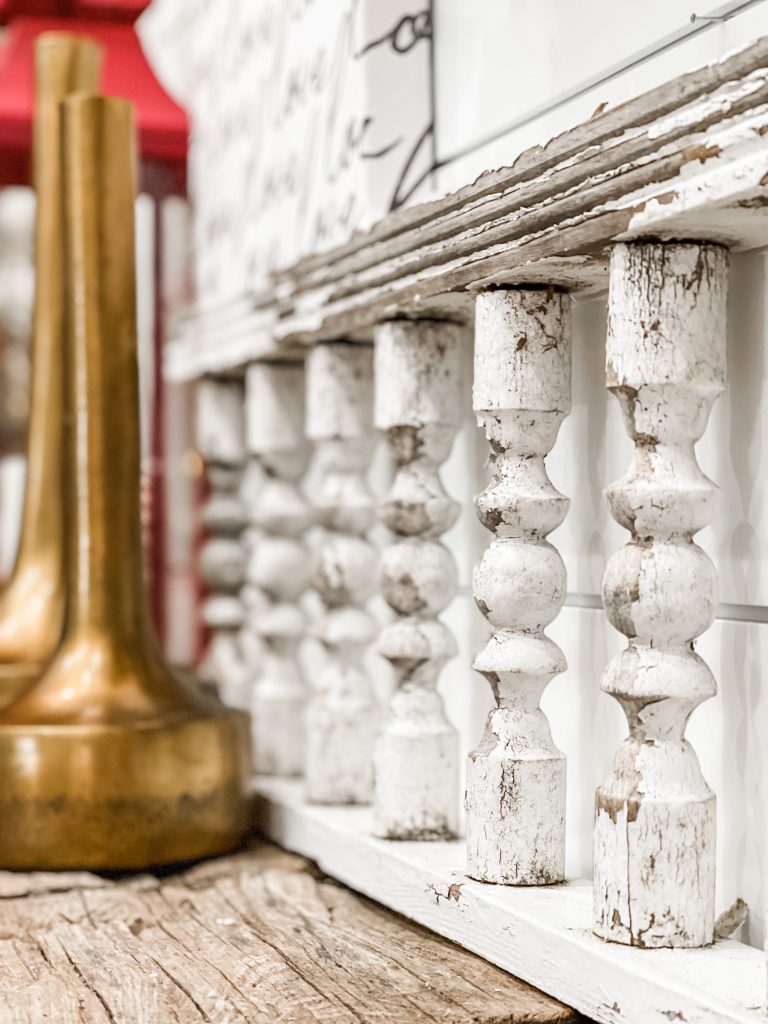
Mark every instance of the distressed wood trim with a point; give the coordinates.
(515, 791)
(655, 814)
(542, 934)
(417, 381)
(686, 160)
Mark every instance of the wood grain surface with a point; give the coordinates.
(257, 936)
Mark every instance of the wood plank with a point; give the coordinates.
(687, 160)
(541, 934)
(255, 938)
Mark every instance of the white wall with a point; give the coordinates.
(307, 123)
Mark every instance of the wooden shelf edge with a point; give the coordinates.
(541, 935)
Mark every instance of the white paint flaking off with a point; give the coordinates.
(718, 103)
(515, 797)
(654, 838)
(418, 404)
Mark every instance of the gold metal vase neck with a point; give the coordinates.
(31, 605)
(101, 450)
(109, 760)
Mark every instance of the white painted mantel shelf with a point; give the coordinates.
(542, 934)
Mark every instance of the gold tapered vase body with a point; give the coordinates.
(32, 604)
(109, 760)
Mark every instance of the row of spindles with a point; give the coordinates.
(654, 841)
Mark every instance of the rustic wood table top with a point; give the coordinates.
(258, 937)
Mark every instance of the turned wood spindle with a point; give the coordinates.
(515, 795)
(342, 716)
(220, 441)
(418, 406)
(253, 600)
(278, 563)
(655, 815)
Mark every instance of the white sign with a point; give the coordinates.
(311, 119)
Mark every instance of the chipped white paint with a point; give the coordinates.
(655, 815)
(541, 934)
(418, 402)
(687, 159)
(277, 569)
(720, 191)
(219, 428)
(342, 716)
(515, 798)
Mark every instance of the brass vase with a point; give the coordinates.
(32, 604)
(109, 760)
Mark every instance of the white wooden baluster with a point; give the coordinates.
(342, 717)
(278, 562)
(515, 796)
(418, 404)
(253, 599)
(655, 816)
(220, 441)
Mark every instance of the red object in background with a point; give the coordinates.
(101, 10)
(162, 123)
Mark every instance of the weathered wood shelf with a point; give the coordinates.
(254, 938)
(542, 935)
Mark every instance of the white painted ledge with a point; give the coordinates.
(542, 935)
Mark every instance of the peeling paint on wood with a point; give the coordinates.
(342, 717)
(417, 404)
(550, 217)
(515, 799)
(654, 879)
